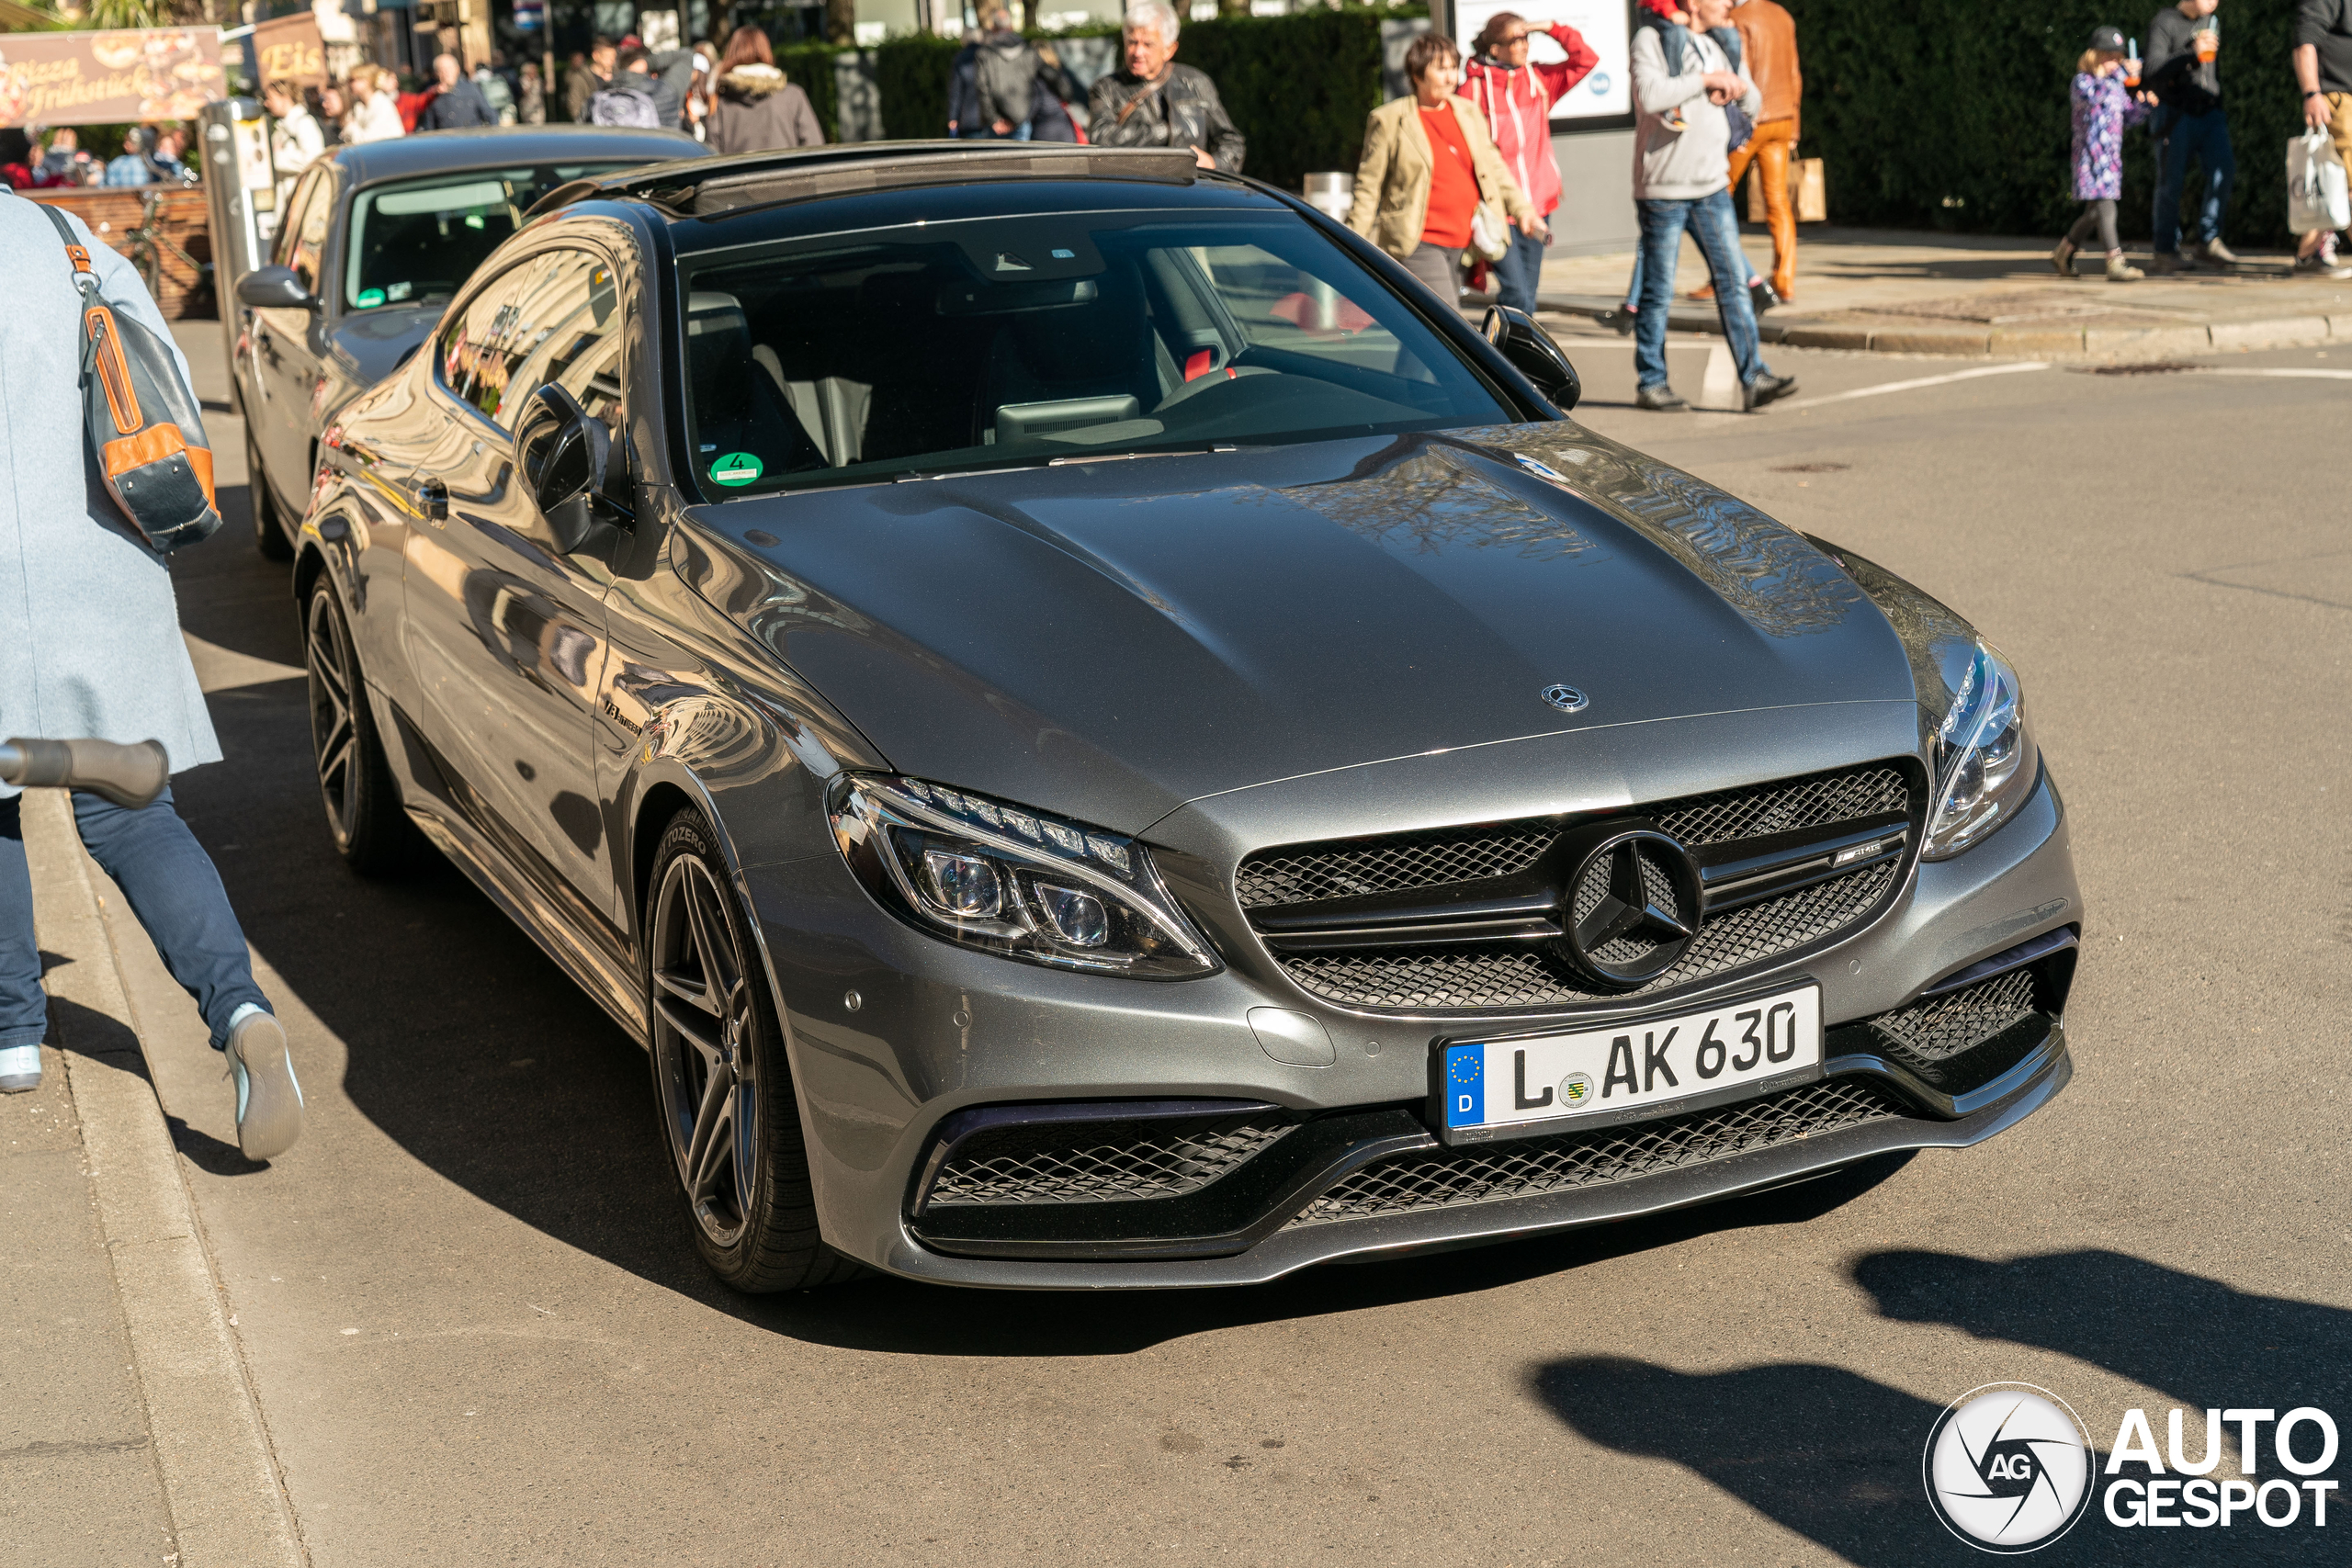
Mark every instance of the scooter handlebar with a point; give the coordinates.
(129, 776)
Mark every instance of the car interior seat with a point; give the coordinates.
(738, 398)
(1095, 356)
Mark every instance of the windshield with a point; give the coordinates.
(420, 239)
(1008, 342)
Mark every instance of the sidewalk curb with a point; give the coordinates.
(220, 1482)
(2032, 342)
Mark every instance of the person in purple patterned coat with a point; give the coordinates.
(2104, 106)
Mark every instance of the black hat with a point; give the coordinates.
(2108, 40)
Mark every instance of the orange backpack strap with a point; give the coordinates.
(85, 277)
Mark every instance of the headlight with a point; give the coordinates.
(1013, 882)
(1985, 760)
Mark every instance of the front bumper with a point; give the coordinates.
(1297, 1243)
(937, 1030)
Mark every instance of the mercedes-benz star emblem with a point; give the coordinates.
(1632, 906)
(1567, 699)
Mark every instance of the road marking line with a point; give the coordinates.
(2307, 375)
(1922, 381)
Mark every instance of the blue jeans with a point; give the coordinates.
(2181, 137)
(1633, 284)
(172, 887)
(1715, 227)
(1517, 275)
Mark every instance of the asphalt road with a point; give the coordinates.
(478, 1333)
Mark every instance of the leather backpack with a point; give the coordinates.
(144, 426)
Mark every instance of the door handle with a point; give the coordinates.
(433, 497)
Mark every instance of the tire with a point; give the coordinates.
(738, 1155)
(363, 804)
(268, 539)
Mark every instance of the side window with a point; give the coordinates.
(550, 318)
(573, 336)
(310, 232)
(476, 344)
(297, 214)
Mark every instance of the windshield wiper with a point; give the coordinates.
(912, 475)
(1130, 456)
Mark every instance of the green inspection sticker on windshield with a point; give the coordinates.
(737, 468)
(369, 299)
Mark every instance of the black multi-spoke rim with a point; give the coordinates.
(334, 738)
(701, 1038)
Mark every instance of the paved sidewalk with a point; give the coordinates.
(1924, 293)
(130, 1433)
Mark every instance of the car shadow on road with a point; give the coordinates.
(1835, 1457)
(480, 1059)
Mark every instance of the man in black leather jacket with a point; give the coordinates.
(1154, 102)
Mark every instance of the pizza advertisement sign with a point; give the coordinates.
(103, 78)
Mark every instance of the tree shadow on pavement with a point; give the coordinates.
(2201, 1343)
(1836, 1457)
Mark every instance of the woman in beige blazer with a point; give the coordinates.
(1411, 205)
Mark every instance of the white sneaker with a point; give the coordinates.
(269, 1102)
(19, 1069)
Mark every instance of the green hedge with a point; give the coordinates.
(910, 76)
(810, 66)
(1950, 114)
(1298, 86)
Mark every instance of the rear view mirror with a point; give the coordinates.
(566, 456)
(274, 288)
(1534, 355)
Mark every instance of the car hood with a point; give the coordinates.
(373, 344)
(1115, 638)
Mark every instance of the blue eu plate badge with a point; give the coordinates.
(1465, 1085)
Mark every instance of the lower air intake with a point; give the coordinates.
(1100, 1162)
(1532, 1166)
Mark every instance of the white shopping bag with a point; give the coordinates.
(2317, 194)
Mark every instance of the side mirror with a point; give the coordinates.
(566, 458)
(274, 288)
(1534, 355)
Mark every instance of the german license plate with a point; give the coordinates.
(1629, 1071)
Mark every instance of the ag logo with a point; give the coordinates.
(2008, 1468)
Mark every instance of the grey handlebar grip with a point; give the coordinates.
(129, 776)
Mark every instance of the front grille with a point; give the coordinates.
(1501, 979)
(1520, 976)
(1532, 1166)
(1100, 1162)
(1356, 867)
(1944, 1026)
(1388, 865)
(1731, 815)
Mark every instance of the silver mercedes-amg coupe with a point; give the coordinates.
(1099, 736)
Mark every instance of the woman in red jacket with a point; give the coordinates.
(1516, 96)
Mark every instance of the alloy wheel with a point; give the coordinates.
(334, 732)
(703, 1056)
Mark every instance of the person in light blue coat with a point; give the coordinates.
(90, 645)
